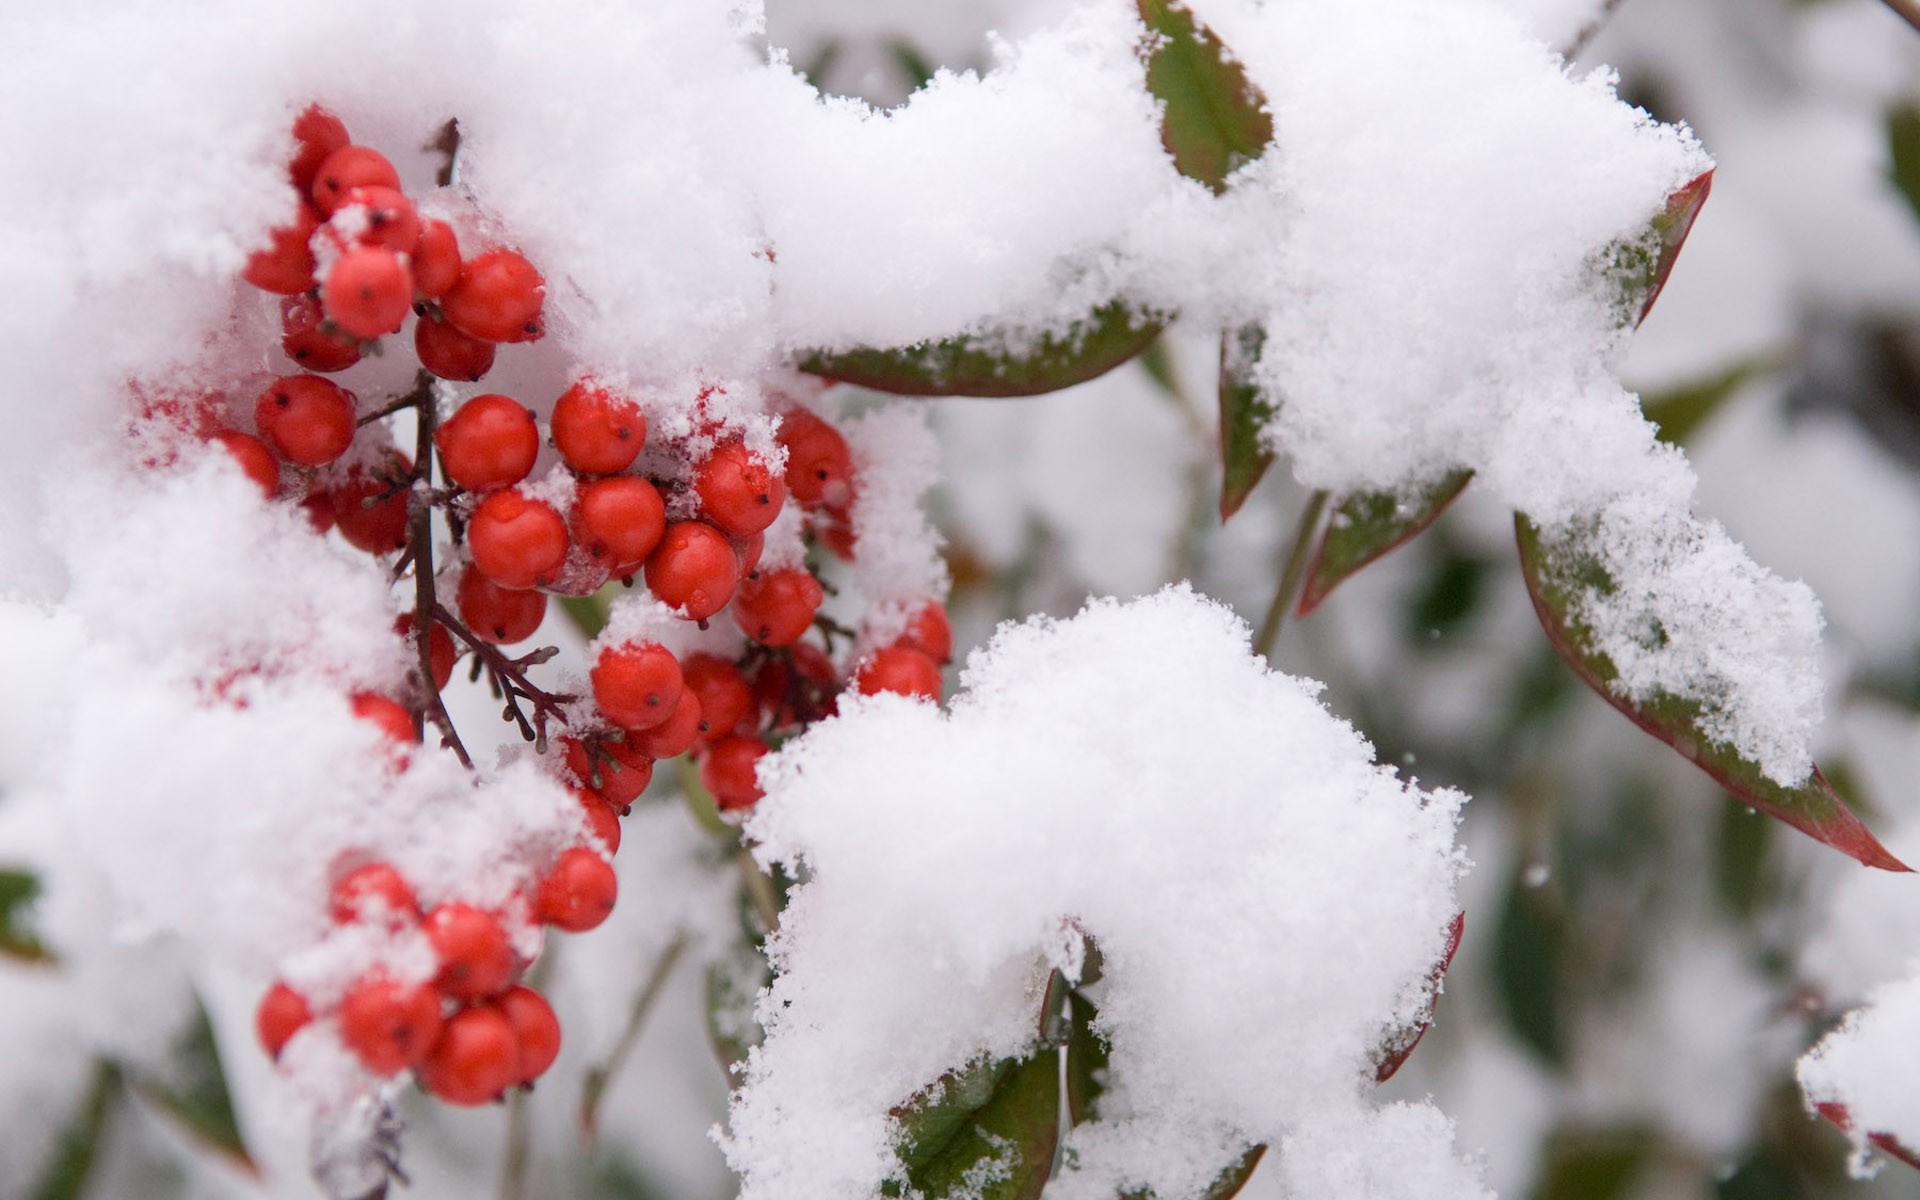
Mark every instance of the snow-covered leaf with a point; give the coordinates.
(1004, 363)
(1244, 413)
(987, 1131)
(1401, 1044)
(1556, 576)
(18, 890)
(190, 1090)
(1214, 119)
(1640, 268)
(1366, 525)
(1841, 1118)
(71, 1162)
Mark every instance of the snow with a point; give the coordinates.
(1229, 893)
(1870, 1064)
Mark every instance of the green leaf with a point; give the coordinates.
(1401, 1044)
(1528, 950)
(1226, 1184)
(1215, 119)
(998, 363)
(1679, 412)
(1556, 577)
(1740, 873)
(986, 1132)
(1903, 145)
(1639, 268)
(733, 985)
(74, 1155)
(18, 891)
(1244, 414)
(190, 1090)
(1602, 1164)
(1366, 525)
(589, 613)
(1087, 1056)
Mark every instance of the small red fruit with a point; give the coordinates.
(253, 458)
(440, 651)
(833, 528)
(619, 521)
(603, 824)
(775, 607)
(389, 1026)
(738, 491)
(449, 354)
(579, 893)
(693, 569)
(673, 736)
(283, 1012)
(728, 772)
(436, 259)
(317, 133)
(623, 771)
(306, 419)
(385, 715)
(347, 168)
(371, 509)
(598, 432)
(929, 632)
(476, 959)
(497, 297)
(819, 466)
(900, 669)
(367, 292)
(495, 614)
(535, 1028)
(389, 216)
(636, 684)
(285, 267)
(516, 541)
(725, 696)
(490, 443)
(374, 893)
(476, 1058)
(309, 341)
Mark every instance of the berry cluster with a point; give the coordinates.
(684, 518)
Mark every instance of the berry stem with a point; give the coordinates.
(509, 679)
(420, 551)
(1291, 575)
(421, 397)
(599, 1077)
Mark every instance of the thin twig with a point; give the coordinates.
(766, 902)
(509, 679)
(1290, 577)
(420, 397)
(1592, 27)
(420, 551)
(599, 1077)
(519, 1143)
(1906, 10)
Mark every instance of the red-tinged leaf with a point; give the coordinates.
(1214, 118)
(1395, 1052)
(1002, 363)
(986, 1132)
(1244, 414)
(1838, 1115)
(1639, 268)
(1366, 526)
(1226, 1185)
(1555, 577)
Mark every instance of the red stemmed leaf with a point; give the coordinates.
(997, 1121)
(1640, 268)
(1366, 525)
(1555, 578)
(1213, 118)
(1837, 1114)
(1244, 413)
(1398, 1047)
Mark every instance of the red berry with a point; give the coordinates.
(389, 216)
(385, 715)
(597, 432)
(819, 467)
(371, 509)
(516, 541)
(476, 959)
(834, 530)
(693, 569)
(673, 736)
(446, 352)
(798, 688)
(283, 1012)
(306, 419)
(495, 614)
(535, 1028)
(497, 297)
(636, 684)
(619, 521)
(725, 696)
(490, 443)
(253, 458)
(775, 607)
(309, 341)
(738, 491)
(900, 669)
(603, 824)
(747, 551)
(367, 292)
(579, 893)
(440, 651)
(347, 168)
(623, 771)
(318, 507)
(728, 772)
(476, 1059)
(389, 1026)
(436, 259)
(317, 133)
(374, 893)
(929, 632)
(286, 265)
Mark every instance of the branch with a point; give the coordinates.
(420, 551)
(599, 1077)
(1290, 577)
(1906, 10)
(509, 679)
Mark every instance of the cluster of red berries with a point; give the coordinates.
(472, 1031)
(688, 520)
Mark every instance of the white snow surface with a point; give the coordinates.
(1267, 908)
(1871, 1064)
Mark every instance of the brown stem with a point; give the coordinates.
(1906, 10)
(1290, 577)
(509, 679)
(599, 1077)
(420, 397)
(420, 551)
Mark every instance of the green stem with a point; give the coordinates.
(601, 1076)
(1291, 576)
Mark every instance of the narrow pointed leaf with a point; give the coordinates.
(1639, 268)
(1226, 1184)
(1842, 1119)
(1554, 580)
(18, 890)
(1903, 146)
(1087, 1054)
(1244, 414)
(986, 1132)
(1214, 119)
(71, 1163)
(1009, 363)
(1395, 1052)
(1367, 525)
(1679, 412)
(733, 985)
(190, 1090)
